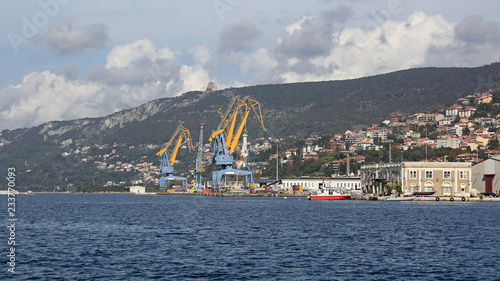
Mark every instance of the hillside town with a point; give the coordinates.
(462, 132)
(470, 138)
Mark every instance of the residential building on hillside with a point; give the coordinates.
(421, 119)
(484, 98)
(464, 101)
(484, 139)
(484, 120)
(454, 130)
(445, 121)
(459, 110)
(452, 110)
(448, 141)
(397, 118)
(472, 144)
(469, 157)
(466, 111)
(415, 135)
(338, 145)
(493, 153)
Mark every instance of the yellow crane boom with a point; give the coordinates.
(238, 108)
(181, 135)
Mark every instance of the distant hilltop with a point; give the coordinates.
(212, 86)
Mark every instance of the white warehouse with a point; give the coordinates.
(313, 184)
(137, 189)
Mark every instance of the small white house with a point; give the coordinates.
(137, 189)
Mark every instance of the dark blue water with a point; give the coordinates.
(133, 237)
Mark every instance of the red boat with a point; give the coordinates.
(329, 194)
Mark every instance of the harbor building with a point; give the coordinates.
(313, 184)
(484, 177)
(446, 178)
(376, 177)
(137, 189)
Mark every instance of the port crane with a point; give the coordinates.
(225, 138)
(180, 136)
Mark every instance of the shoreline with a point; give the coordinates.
(448, 199)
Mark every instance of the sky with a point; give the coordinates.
(70, 59)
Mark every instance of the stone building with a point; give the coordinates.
(446, 178)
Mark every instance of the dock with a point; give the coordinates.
(450, 199)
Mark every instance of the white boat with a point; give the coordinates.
(329, 194)
(399, 198)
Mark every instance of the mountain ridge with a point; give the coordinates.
(148, 109)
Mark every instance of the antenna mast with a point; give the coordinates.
(199, 159)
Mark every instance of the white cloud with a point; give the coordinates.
(260, 59)
(355, 52)
(66, 39)
(391, 46)
(238, 37)
(194, 78)
(123, 55)
(46, 96)
(201, 55)
(475, 43)
(135, 73)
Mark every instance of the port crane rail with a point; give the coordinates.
(180, 136)
(226, 139)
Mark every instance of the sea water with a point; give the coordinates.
(141, 237)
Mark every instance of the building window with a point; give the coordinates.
(463, 175)
(428, 174)
(446, 189)
(413, 174)
(446, 174)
